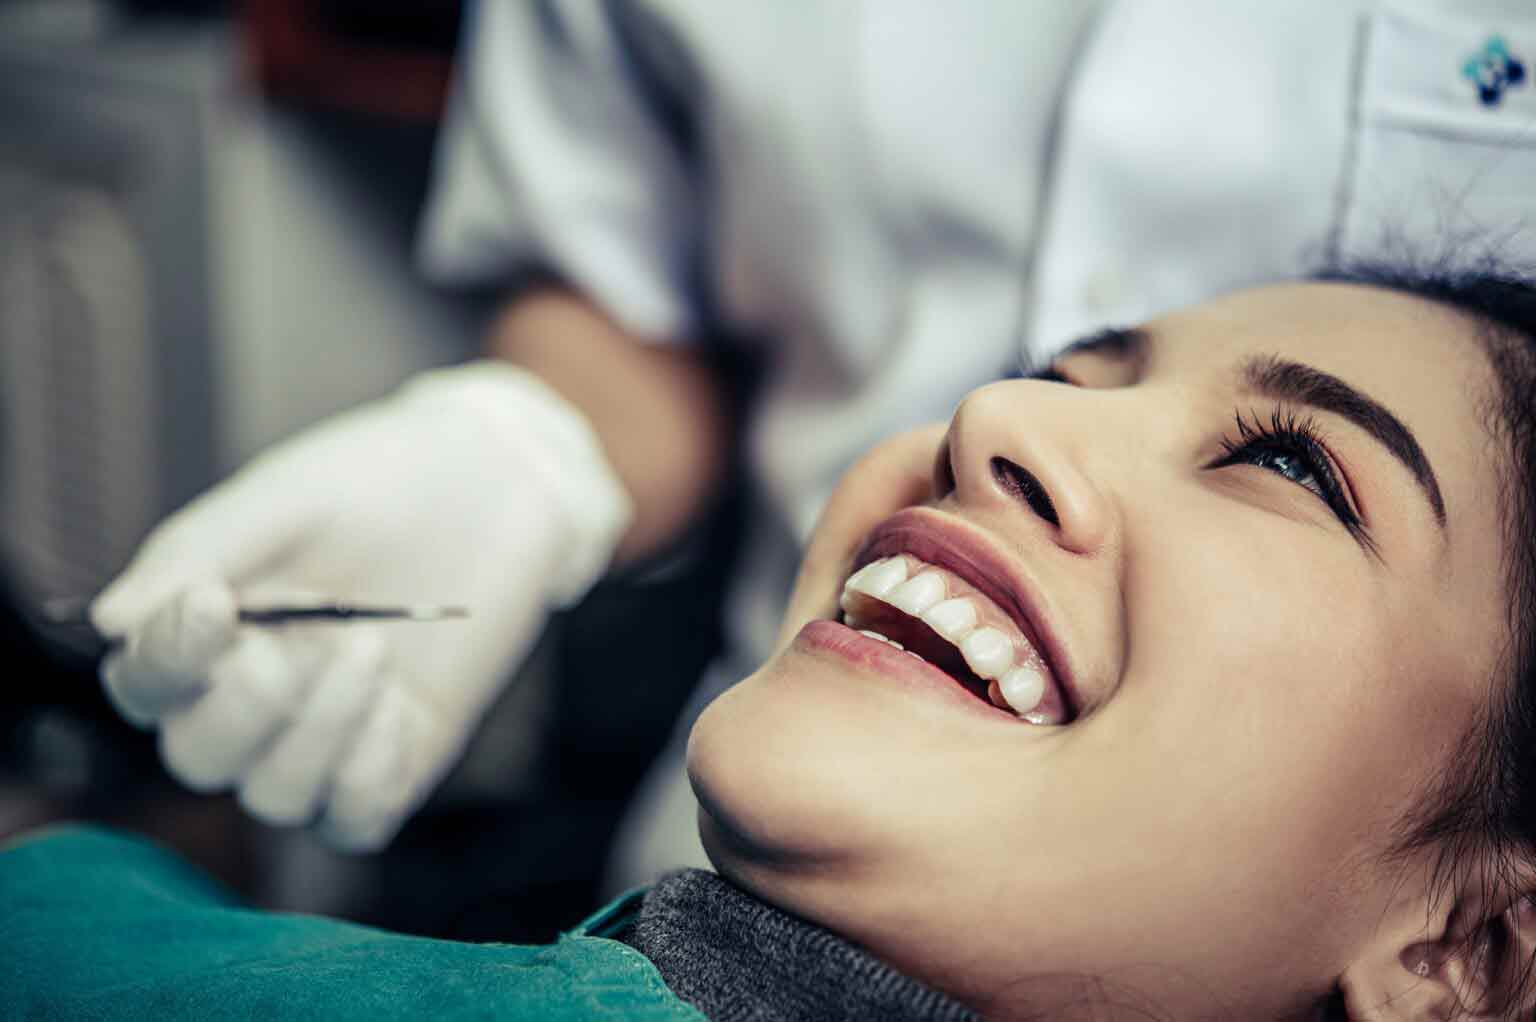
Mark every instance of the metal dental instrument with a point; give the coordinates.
(71, 611)
(350, 612)
(66, 623)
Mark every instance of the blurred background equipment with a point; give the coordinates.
(207, 213)
(191, 272)
(106, 385)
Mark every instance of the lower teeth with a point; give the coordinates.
(885, 639)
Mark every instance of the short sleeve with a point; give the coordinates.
(554, 156)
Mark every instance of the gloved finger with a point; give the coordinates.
(165, 664)
(385, 775)
(254, 689)
(291, 776)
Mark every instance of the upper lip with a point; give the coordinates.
(936, 538)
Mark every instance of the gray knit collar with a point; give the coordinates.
(738, 959)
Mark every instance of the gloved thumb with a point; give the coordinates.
(131, 598)
(165, 663)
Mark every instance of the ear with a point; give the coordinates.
(1472, 962)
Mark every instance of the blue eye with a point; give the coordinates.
(1288, 464)
(1290, 448)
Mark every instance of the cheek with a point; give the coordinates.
(1276, 705)
(1275, 667)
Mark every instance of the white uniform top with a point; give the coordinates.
(899, 199)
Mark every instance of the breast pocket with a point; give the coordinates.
(1444, 161)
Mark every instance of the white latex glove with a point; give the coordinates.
(475, 486)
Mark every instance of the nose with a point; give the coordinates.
(1018, 446)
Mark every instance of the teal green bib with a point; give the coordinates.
(97, 925)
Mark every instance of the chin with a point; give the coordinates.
(779, 779)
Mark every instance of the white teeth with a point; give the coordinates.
(1023, 687)
(952, 619)
(878, 577)
(988, 652)
(918, 594)
(883, 638)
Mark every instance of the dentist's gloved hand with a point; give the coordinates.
(475, 486)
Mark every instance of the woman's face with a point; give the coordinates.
(1259, 645)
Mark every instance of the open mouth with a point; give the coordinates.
(939, 616)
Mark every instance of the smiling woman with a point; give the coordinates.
(1193, 677)
(1251, 733)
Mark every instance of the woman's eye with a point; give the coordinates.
(1292, 450)
(1297, 469)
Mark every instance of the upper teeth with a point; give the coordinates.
(953, 619)
(987, 651)
(878, 577)
(918, 593)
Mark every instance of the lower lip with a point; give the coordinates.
(829, 637)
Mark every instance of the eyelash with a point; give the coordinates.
(1291, 436)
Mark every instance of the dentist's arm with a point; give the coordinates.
(658, 411)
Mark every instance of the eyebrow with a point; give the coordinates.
(1284, 380)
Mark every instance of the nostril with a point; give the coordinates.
(1016, 481)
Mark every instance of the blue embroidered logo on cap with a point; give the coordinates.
(1493, 71)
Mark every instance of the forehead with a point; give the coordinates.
(1387, 341)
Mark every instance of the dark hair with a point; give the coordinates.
(1482, 810)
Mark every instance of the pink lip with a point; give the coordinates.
(932, 536)
(823, 636)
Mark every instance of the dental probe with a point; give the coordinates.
(350, 612)
(71, 610)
